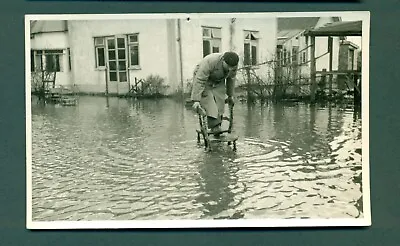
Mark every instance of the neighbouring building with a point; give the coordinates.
(293, 50)
(348, 57)
(50, 49)
(95, 56)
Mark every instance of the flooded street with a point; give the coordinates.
(123, 159)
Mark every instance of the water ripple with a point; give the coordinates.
(140, 160)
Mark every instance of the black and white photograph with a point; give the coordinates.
(193, 120)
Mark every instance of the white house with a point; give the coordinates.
(99, 55)
(293, 47)
(50, 49)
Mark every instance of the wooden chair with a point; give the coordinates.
(210, 137)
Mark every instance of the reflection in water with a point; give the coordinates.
(124, 159)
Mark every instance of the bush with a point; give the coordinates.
(36, 83)
(154, 85)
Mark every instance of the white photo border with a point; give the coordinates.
(364, 16)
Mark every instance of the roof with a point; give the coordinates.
(294, 23)
(287, 34)
(48, 26)
(346, 28)
(346, 42)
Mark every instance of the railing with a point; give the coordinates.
(292, 78)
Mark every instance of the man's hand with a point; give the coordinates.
(230, 101)
(196, 105)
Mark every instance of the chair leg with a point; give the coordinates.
(209, 147)
(234, 146)
(198, 137)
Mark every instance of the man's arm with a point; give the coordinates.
(230, 84)
(200, 79)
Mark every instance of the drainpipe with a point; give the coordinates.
(231, 32)
(106, 77)
(180, 55)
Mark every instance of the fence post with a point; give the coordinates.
(312, 68)
(330, 49)
(106, 74)
(323, 80)
(249, 94)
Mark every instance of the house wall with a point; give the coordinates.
(153, 51)
(232, 39)
(192, 44)
(55, 40)
(173, 56)
(321, 47)
(267, 29)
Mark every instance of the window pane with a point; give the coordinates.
(206, 47)
(122, 77)
(121, 42)
(69, 59)
(50, 64)
(134, 55)
(113, 76)
(32, 61)
(206, 32)
(111, 54)
(111, 43)
(54, 51)
(122, 65)
(38, 62)
(254, 36)
(101, 57)
(294, 54)
(216, 33)
(253, 55)
(113, 65)
(133, 38)
(121, 54)
(246, 60)
(57, 63)
(99, 41)
(216, 43)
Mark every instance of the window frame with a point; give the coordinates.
(96, 51)
(129, 45)
(43, 55)
(214, 39)
(252, 38)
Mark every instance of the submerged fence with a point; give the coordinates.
(290, 77)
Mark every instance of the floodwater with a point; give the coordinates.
(124, 159)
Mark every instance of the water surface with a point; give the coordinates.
(124, 159)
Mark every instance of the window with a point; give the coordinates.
(284, 58)
(69, 59)
(133, 41)
(211, 40)
(295, 51)
(117, 53)
(125, 47)
(304, 57)
(47, 60)
(250, 47)
(99, 44)
(351, 59)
